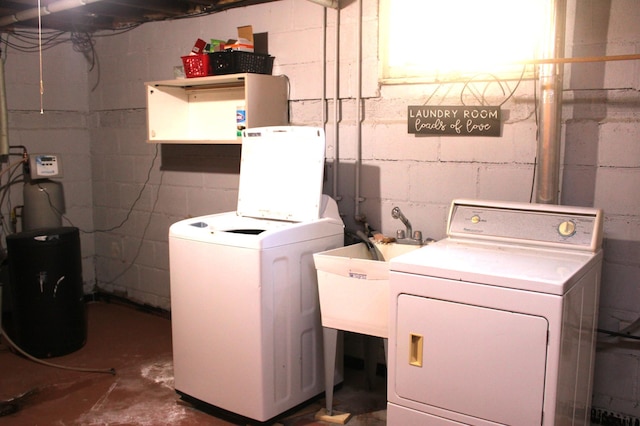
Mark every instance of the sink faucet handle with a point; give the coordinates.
(400, 235)
(397, 214)
(417, 235)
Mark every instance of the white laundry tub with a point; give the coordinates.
(354, 289)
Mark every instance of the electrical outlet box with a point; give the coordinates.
(44, 166)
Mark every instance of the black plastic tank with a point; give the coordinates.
(48, 315)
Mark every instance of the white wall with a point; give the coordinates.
(420, 174)
(56, 122)
(602, 168)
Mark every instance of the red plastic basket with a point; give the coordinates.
(196, 65)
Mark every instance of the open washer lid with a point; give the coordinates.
(281, 173)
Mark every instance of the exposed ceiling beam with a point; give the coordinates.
(55, 7)
(94, 15)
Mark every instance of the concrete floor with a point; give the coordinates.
(137, 345)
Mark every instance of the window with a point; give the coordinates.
(444, 40)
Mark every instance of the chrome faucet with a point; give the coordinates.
(406, 236)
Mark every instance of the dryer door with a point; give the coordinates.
(481, 362)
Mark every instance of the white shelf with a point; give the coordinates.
(202, 110)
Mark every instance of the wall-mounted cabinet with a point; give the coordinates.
(204, 109)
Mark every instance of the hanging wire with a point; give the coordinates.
(127, 216)
(481, 98)
(131, 263)
(5, 193)
(40, 56)
(535, 109)
(30, 41)
(524, 67)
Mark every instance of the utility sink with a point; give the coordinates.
(354, 288)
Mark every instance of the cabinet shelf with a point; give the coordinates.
(203, 110)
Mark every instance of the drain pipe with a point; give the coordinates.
(334, 4)
(336, 107)
(358, 199)
(4, 113)
(550, 105)
(56, 6)
(324, 71)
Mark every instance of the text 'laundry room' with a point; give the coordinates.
(317, 212)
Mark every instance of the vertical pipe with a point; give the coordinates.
(336, 116)
(324, 73)
(4, 114)
(336, 107)
(358, 162)
(550, 105)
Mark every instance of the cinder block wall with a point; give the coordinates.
(96, 119)
(57, 121)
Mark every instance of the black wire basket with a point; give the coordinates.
(238, 61)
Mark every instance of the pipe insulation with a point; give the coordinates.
(57, 6)
(4, 113)
(550, 105)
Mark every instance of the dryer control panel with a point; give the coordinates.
(526, 224)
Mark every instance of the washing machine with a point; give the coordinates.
(495, 324)
(247, 336)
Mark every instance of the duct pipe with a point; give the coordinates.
(57, 6)
(550, 106)
(4, 114)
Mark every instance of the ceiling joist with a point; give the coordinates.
(95, 15)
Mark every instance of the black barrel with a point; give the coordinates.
(45, 279)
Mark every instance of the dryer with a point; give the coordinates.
(495, 324)
(247, 337)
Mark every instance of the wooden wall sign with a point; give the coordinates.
(454, 120)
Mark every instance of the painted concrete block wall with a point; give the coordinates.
(57, 122)
(147, 187)
(602, 168)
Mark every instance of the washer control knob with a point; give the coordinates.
(567, 228)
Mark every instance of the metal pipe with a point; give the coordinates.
(4, 113)
(57, 6)
(630, 57)
(324, 70)
(336, 108)
(334, 4)
(550, 80)
(358, 162)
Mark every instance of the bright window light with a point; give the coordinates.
(448, 39)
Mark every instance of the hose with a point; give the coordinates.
(12, 344)
(369, 244)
